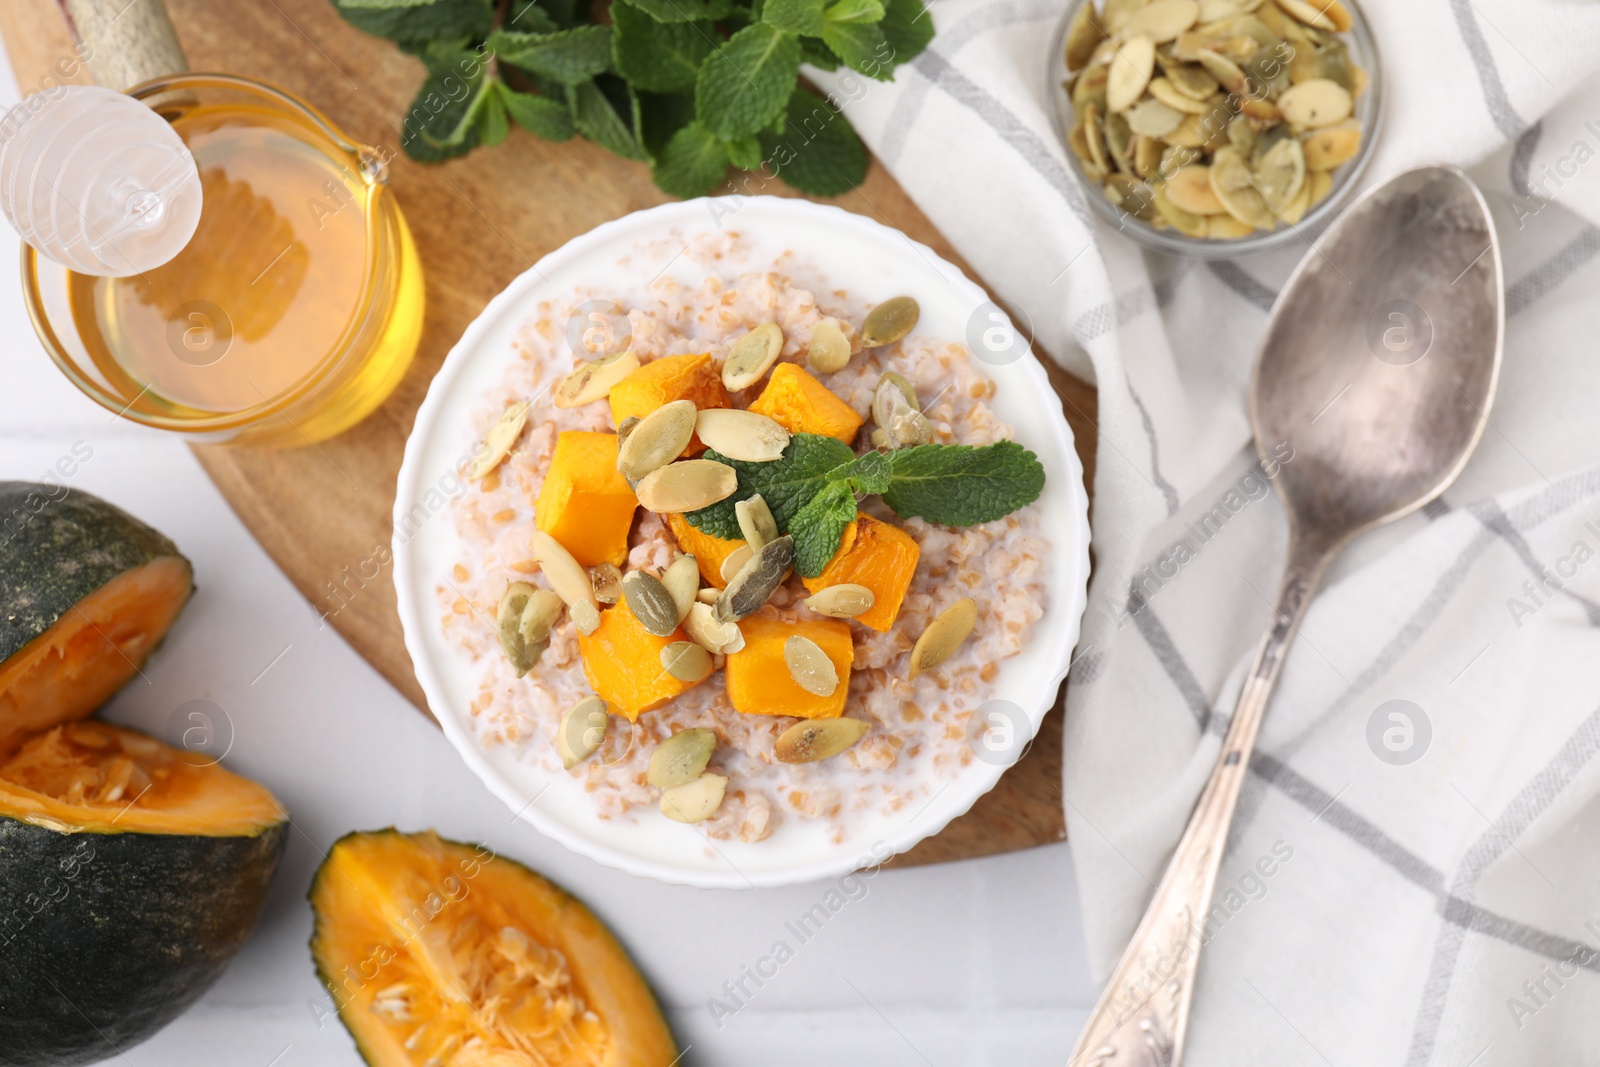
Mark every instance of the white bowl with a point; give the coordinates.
(869, 260)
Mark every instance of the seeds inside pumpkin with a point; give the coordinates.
(686, 661)
(818, 739)
(498, 441)
(687, 485)
(843, 601)
(582, 731)
(944, 635)
(889, 322)
(651, 603)
(751, 356)
(810, 667)
(681, 758)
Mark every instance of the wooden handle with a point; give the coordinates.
(126, 41)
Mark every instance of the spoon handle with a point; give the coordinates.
(1143, 1013)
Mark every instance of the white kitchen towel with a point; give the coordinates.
(1414, 876)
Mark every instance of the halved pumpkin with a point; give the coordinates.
(130, 875)
(440, 952)
(88, 593)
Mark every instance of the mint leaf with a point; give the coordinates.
(816, 151)
(683, 10)
(862, 46)
(443, 120)
(871, 472)
(660, 57)
(527, 17)
(660, 116)
(817, 54)
(492, 122)
(567, 56)
(693, 162)
(745, 153)
(597, 118)
(907, 28)
(818, 527)
(539, 115)
(459, 20)
(854, 11)
(962, 485)
(786, 484)
(744, 84)
(795, 16)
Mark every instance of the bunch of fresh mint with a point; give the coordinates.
(812, 490)
(690, 86)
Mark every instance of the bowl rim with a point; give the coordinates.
(1205, 248)
(978, 779)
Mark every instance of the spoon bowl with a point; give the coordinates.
(1377, 370)
(1381, 358)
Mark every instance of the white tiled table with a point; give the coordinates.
(977, 964)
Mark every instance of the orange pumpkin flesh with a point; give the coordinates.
(622, 661)
(801, 404)
(758, 676)
(709, 552)
(76, 665)
(878, 555)
(585, 503)
(439, 952)
(665, 379)
(99, 778)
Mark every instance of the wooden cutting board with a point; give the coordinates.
(323, 513)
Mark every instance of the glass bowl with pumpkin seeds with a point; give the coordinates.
(1216, 128)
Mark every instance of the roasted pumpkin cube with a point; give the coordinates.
(758, 676)
(878, 555)
(585, 502)
(622, 661)
(801, 404)
(665, 379)
(709, 552)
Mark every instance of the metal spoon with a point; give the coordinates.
(1378, 368)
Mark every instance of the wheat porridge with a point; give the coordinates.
(917, 729)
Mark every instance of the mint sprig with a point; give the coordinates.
(813, 490)
(690, 86)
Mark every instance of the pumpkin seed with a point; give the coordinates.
(1153, 118)
(651, 603)
(944, 635)
(1090, 88)
(585, 616)
(902, 383)
(751, 356)
(1147, 152)
(721, 638)
(1184, 222)
(756, 521)
(1189, 188)
(811, 740)
(1315, 103)
(694, 801)
(1131, 66)
(582, 731)
(1331, 146)
(539, 616)
(1116, 13)
(686, 661)
(901, 422)
(1321, 183)
(498, 441)
(593, 381)
(1189, 79)
(607, 581)
(708, 595)
(746, 436)
(1163, 20)
(1131, 196)
(735, 561)
(624, 428)
(1227, 228)
(1312, 14)
(810, 667)
(829, 350)
(1231, 181)
(1281, 174)
(879, 437)
(521, 653)
(687, 485)
(910, 428)
(658, 439)
(1212, 10)
(681, 758)
(1298, 205)
(566, 576)
(1083, 36)
(756, 581)
(682, 581)
(1078, 141)
(1119, 142)
(889, 321)
(1164, 91)
(843, 601)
